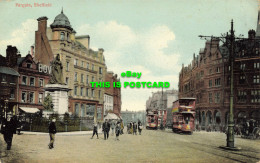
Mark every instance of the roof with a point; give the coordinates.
(20, 60)
(61, 21)
(9, 71)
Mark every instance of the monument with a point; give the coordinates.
(57, 88)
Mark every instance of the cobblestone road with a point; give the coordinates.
(151, 146)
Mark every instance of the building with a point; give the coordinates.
(108, 103)
(32, 78)
(207, 79)
(81, 64)
(9, 90)
(113, 93)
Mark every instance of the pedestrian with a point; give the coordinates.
(140, 127)
(118, 128)
(131, 127)
(112, 127)
(8, 129)
(19, 126)
(106, 128)
(122, 127)
(95, 130)
(134, 128)
(52, 132)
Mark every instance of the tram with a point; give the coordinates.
(183, 114)
(152, 120)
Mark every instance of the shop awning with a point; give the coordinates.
(29, 110)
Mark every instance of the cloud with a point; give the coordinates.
(22, 37)
(143, 51)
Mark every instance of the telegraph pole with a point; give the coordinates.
(229, 41)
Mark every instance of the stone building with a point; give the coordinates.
(207, 79)
(81, 64)
(113, 93)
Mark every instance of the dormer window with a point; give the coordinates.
(29, 65)
(62, 34)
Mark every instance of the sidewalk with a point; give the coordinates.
(73, 133)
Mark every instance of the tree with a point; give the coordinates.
(47, 103)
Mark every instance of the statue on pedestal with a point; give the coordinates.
(56, 73)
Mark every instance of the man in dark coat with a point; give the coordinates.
(8, 129)
(52, 132)
(95, 130)
(106, 128)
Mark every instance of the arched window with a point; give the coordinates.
(62, 34)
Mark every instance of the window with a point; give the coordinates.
(92, 78)
(93, 92)
(86, 91)
(100, 70)
(24, 80)
(40, 98)
(68, 36)
(210, 83)
(28, 65)
(24, 96)
(41, 83)
(62, 34)
(3, 78)
(99, 94)
(67, 80)
(243, 53)
(241, 96)
(210, 71)
(256, 51)
(255, 96)
(82, 64)
(256, 79)
(31, 81)
(217, 97)
(242, 79)
(81, 91)
(75, 62)
(87, 79)
(87, 65)
(67, 66)
(210, 97)
(93, 67)
(201, 73)
(257, 65)
(217, 70)
(82, 78)
(12, 93)
(242, 66)
(31, 97)
(76, 77)
(217, 82)
(75, 90)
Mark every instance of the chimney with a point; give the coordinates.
(42, 24)
(32, 51)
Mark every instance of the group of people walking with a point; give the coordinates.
(114, 125)
(132, 128)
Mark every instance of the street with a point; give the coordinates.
(151, 146)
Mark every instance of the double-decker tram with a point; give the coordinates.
(183, 114)
(152, 119)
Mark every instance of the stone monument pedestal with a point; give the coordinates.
(59, 94)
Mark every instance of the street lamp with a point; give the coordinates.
(229, 41)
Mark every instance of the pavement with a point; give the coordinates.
(152, 146)
(73, 133)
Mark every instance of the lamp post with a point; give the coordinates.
(229, 41)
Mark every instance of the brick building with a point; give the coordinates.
(113, 93)
(207, 79)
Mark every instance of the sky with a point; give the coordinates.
(154, 37)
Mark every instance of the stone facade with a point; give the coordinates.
(81, 65)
